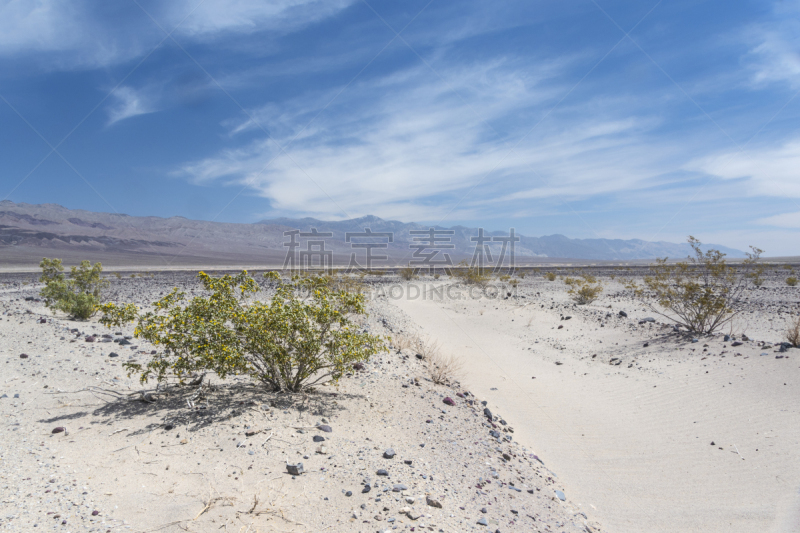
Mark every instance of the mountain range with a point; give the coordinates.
(29, 232)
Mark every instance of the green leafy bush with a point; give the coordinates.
(551, 276)
(77, 296)
(303, 336)
(791, 281)
(407, 273)
(472, 275)
(584, 290)
(700, 293)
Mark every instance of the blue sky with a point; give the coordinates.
(651, 120)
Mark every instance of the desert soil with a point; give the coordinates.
(83, 449)
(600, 422)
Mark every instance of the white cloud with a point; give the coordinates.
(130, 103)
(65, 34)
(406, 141)
(60, 27)
(214, 16)
(784, 220)
(763, 171)
(775, 54)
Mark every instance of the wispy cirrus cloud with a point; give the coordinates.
(130, 103)
(70, 34)
(413, 141)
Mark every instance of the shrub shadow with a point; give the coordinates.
(214, 404)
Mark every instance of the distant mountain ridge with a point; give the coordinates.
(29, 231)
(549, 246)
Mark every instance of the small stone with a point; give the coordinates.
(399, 488)
(623, 314)
(483, 510)
(389, 454)
(59, 430)
(325, 428)
(449, 401)
(487, 413)
(319, 438)
(295, 470)
(382, 472)
(410, 499)
(348, 493)
(420, 356)
(95, 513)
(23, 356)
(113, 354)
(561, 495)
(366, 489)
(483, 522)
(433, 502)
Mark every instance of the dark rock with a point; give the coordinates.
(737, 343)
(646, 344)
(399, 487)
(623, 313)
(325, 428)
(382, 472)
(366, 489)
(433, 502)
(487, 413)
(59, 430)
(319, 438)
(23, 356)
(358, 366)
(295, 470)
(420, 356)
(89, 339)
(449, 401)
(348, 493)
(95, 513)
(113, 354)
(124, 342)
(389, 454)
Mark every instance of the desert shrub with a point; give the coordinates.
(700, 293)
(117, 275)
(791, 281)
(551, 276)
(472, 275)
(436, 276)
(303, 336)
(403, 341)
(77, 296)
(407, 273)
(793, 333)
(442, 368)
(584, 290)
(756, 275)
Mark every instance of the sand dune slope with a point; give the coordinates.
(633, 444)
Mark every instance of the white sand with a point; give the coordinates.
(632, 445)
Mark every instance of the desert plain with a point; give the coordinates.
(563, 417)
